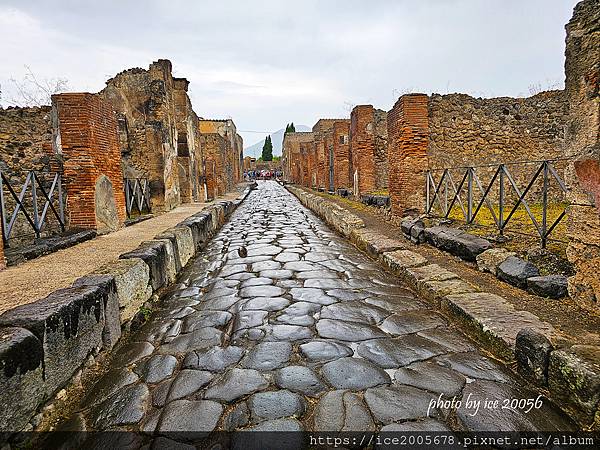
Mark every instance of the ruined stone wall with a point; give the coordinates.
(26, 144)
(467, 131)
(231, 147)
(87, 139)
(362, 147)
(380, 151)
(408, 139)
(293, 161)
(341, 154)
(214, 146)
(582, 67)
(145, 105)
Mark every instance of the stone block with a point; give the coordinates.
(112, 318)
(489, 260)
(132, 277)
(532, 351)
(550, 286)
(434, 290)
(516, 271)
(22, 387)
(182, 242)
(492, 320)
(400, 260)
(430, 272)
(574, 378)
(154, 254)
(69, 323)
(457, 242)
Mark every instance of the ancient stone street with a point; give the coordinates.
(281, 324)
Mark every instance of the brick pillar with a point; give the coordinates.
(92, 176)
(408, 138)
(341, 154)
(362, 147)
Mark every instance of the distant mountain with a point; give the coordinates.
(276, 138)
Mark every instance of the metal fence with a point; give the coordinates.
(137, 196)
(27, 201)
(446, 193)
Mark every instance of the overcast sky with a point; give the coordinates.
(266, 63)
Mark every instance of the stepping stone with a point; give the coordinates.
(473, 365)
(411, 322)
(431, 377)
(189, 420)
(398, 403)
(126, 407)
(202, 319)
(353, 373)
(197, 339)
(268, 356)
(347, 331)
(216, 359)
(275, 405)
(157, 368)
(342, 411)
(312, 296)
(187, 382)
(324, 351)
(391, 353)
(355, 311)
(235, 384)
(262, 291)
(299, 379)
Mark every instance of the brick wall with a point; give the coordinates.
(93, 176)
(408, 136)
(2, 260)
(341, 154)
(214, 146)
(380, 138)
(582, 175)
(362, 147)
(294, 161)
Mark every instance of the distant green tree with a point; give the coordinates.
(267, 150)
(292, 128)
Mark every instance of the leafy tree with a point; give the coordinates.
(292, 128)
(267, 150)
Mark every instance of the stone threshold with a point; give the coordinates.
(45, 345)
(540, 353)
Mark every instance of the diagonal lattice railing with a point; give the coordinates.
(137, 196)
(446, 193)
(27, 203)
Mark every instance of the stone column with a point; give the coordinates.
(362, 148)
(408, 138)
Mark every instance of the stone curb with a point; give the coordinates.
(45, 343)
(510, 334)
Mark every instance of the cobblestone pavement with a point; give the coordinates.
(284, 325)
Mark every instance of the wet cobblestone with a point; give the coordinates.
(281, 324)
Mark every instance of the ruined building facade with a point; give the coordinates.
(140, 126)
(392, 152)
